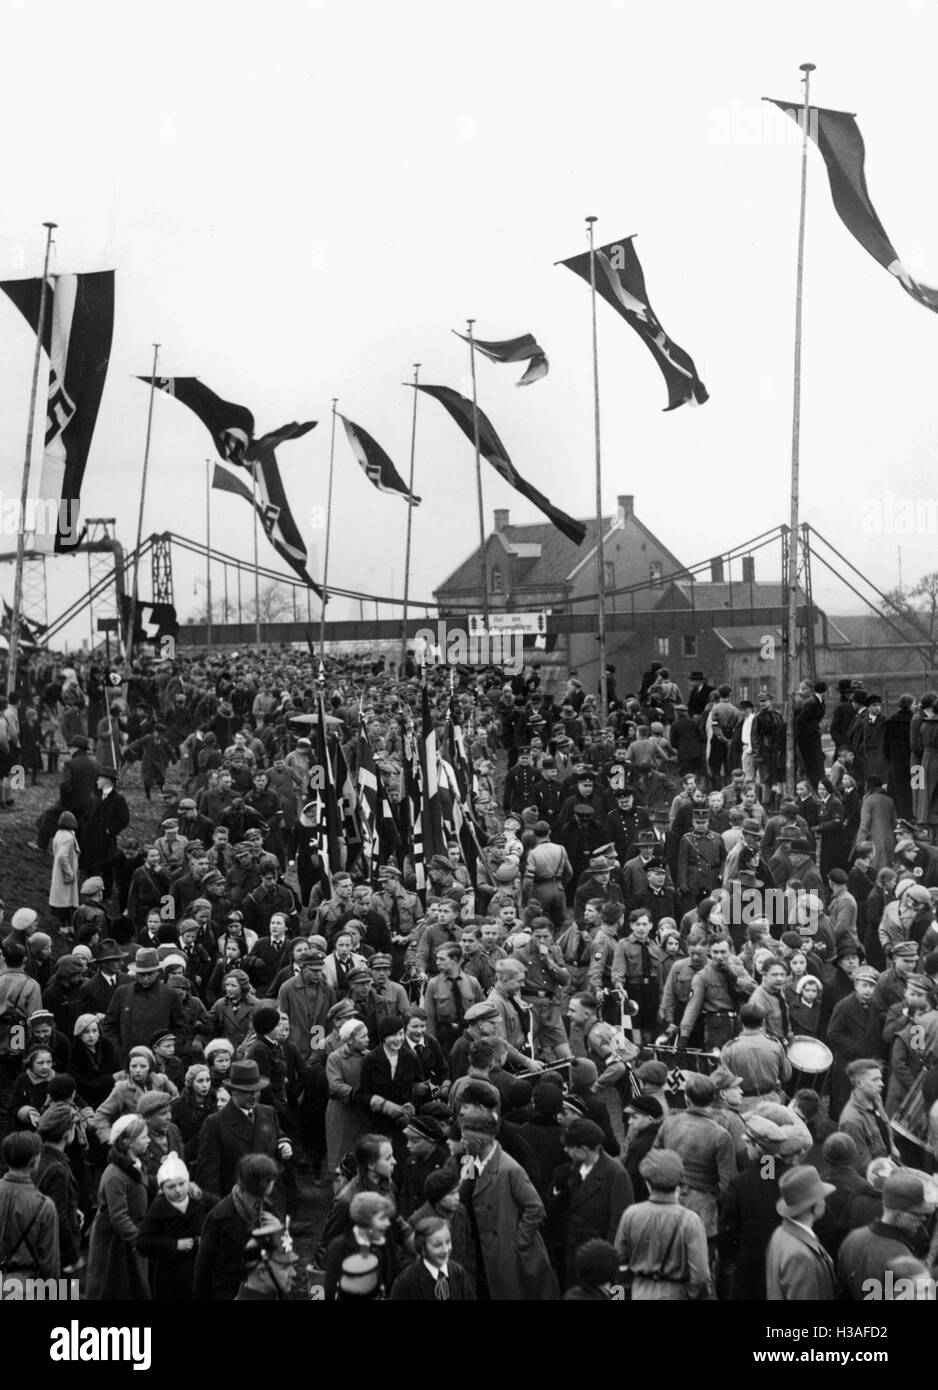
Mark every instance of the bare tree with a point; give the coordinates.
(276, 602)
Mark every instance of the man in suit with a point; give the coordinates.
(505, 1216)
(79, 779)
(591, 1190)
(798, 1268)
(108, 815)
(138, 1009)
(808, 716)
(241, 1127)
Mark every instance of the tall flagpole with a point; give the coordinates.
(208, 552)
(325, 568)
(483, 577)
(257, 574)
(13, 650)
(600, 564)
(410, 518)
(129, 642)
(793, 682)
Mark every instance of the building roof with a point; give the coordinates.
(558, 556)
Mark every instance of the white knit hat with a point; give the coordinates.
(171, 1170)
(351, 1026)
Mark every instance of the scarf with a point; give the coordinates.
(248, 1208)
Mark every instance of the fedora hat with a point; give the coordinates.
(246, 1076)
(107, 950)
(799, 1189)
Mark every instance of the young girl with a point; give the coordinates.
(63, 888)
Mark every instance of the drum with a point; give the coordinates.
(809, 1055)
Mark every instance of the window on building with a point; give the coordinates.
(656, 571)
(689, 644)
(743, 693)
(663, 646)
(609, 573)
(498, 586)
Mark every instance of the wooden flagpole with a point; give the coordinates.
(600, 563)
(483, 576)
(129, 642)
(793, 535)
(410, 516)
(13, 651)
(325, 568)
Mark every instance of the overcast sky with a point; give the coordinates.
(301, 200)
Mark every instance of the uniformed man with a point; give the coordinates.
(705, 1147)
(389, 997)
(269, 1263)
(758, 1059)
(548, 793)
(604, 942)
(544, 980)
(700, 859)
(520, 784)
(677, 988)
(635, 965)
(716, 994)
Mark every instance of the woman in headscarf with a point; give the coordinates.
(115, 1270)
(345, 1122)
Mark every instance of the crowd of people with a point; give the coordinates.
(644, 1025)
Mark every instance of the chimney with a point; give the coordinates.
(626, 507)
(501, 518)
(716, 570)
(749, 569)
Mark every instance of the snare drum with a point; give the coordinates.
(809, 1055)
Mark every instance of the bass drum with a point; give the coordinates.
(809, 1055)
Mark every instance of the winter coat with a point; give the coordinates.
(509, 1214)
(63, 889)
(115, 1270)
(172, 1270)
(93, 1069)
(123, 1100)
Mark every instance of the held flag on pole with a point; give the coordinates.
(77, 333)
(492, 448)
(434, 841)
(375, 463)
(621, 283)
(273, 512)
(838, 137)
(523, 349)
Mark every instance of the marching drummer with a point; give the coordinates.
(760, 1061)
